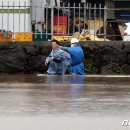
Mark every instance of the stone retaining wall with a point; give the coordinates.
(100, 57)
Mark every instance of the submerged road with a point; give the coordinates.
(40, 102)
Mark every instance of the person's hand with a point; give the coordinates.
(51, 58)
(60, 47)
(46, 63)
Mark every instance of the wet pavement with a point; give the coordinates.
(84, 100)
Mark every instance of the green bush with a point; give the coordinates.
(89, 67)
(116, 68)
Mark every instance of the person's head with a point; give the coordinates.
(74, 42)
(55, 44)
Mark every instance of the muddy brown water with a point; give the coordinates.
(68, 99)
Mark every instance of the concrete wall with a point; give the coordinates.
(100, 57)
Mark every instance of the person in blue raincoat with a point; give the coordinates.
(58, 60)
(77, 57)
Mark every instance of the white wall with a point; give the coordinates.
(36, 16)
(14, 25)
(11, 21)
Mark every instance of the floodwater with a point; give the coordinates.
(39, 102)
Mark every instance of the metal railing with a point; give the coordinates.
(82, 18)
(85, 21)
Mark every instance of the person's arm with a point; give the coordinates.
(57, 60)
(48, 59)
(63, 48)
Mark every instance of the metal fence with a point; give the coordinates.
(83, 19)
(24, 21)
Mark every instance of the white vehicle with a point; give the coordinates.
(127, 32)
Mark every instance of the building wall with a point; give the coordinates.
(11, 19)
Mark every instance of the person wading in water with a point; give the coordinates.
(77, 57)
(58, 60)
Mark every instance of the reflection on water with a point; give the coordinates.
(75, 79)
(69, 95)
